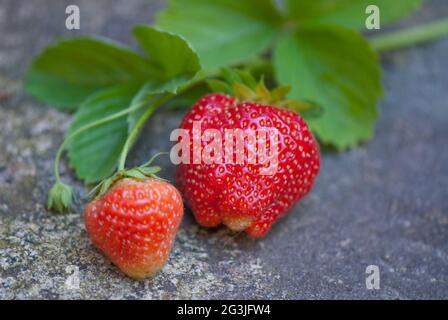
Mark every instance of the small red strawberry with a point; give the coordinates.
(237, 195)
(135, 222)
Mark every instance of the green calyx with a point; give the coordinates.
(141, 173)
(242, 85)
(60, 197)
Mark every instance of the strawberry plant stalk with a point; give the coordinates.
(136, 129)
(60, 196)
(411, 36)
(85, 128)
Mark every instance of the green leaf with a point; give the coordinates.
(219, 86)
(336, 68)
(224, 32)
(307, 109)
(247, 78)
(241, 76)
(71, 70)
(243, 92)
(281, 92)
(348, 13)
(94, 153)
(174, 63)
(148, 171)
(134, 173)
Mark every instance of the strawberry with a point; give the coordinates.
(135, 222)
(237, 195)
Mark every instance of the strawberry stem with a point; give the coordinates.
(411, 36)
(136, 129)
(85, 128)
(60, 195)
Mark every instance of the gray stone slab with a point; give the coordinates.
(385, 203)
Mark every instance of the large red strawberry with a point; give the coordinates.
(238, 195)
(134, 223)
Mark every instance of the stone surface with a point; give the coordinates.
(385, 203)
